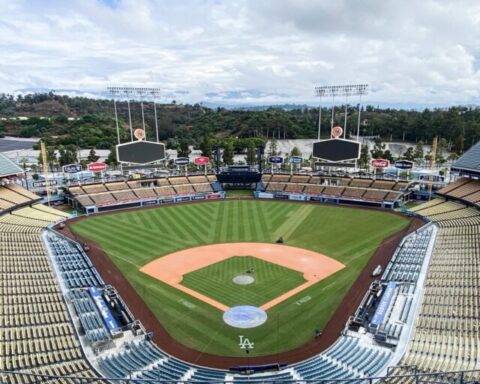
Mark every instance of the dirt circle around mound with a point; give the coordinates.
(171, 268)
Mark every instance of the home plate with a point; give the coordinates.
(245, 316)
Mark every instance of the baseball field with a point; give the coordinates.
(190, 306)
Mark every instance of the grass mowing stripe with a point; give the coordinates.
(135, 232)
(262, 229)
(238, 231)
(224, 223)
(176, 230)
(246, 229)
(230, 224)
(203, 211)
(258, 231)
(216, 222)
(146, 220)
(278, 214)
(159, 217)
(294, 219)
(129, 239)
(188, 228)
(198, 221)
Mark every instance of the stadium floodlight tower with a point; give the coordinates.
(340, 90)
(137, 94)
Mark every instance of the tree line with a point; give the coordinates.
(63, 121)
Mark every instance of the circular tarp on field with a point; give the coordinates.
(245, 316)
(243, 279)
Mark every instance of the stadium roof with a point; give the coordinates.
(8, 167)
(469, 162)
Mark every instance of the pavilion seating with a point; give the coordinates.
(376, 195)
(197, 179)
(103, 198)
(354, 193)
(178, 180)
(165, 191)
(117, 186)
(184, 189)
(145, 193)
(361, 183)
(278, 178)
(124, 195)
(203, 187)
(94, 188)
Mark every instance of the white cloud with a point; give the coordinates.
(410, 52)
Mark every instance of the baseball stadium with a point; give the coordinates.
(299, 278)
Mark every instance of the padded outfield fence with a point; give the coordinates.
(459, 377)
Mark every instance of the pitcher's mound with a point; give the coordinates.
(243, 279)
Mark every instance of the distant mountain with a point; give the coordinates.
(61, 91)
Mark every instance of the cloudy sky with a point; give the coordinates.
(410, 52)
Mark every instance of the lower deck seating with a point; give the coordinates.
(137, 190)
(184, 189)
(103, 198)
(124, 195)
(203, 187)
(145, 193)
(12, 195)
(446, 335)
(36, 333)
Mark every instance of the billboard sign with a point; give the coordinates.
(275, 159)
(403, 164)
(97, 167)
(296, 196)
(39, 184)
(202, 160)
(265, 195)
(72, 168)
(380, 163)
(182, 161)
(295, 160)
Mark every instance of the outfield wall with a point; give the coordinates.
(323, 199)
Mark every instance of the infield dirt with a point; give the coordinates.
(171, 268)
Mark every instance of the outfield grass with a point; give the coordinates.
(133, 239)
(215, 281)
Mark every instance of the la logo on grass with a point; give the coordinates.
(245, 343)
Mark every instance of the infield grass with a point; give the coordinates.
(216, 281)
(132, 239)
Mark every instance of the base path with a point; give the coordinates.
(171, 268)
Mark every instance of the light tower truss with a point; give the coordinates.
(135, 94)
(346, 91)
